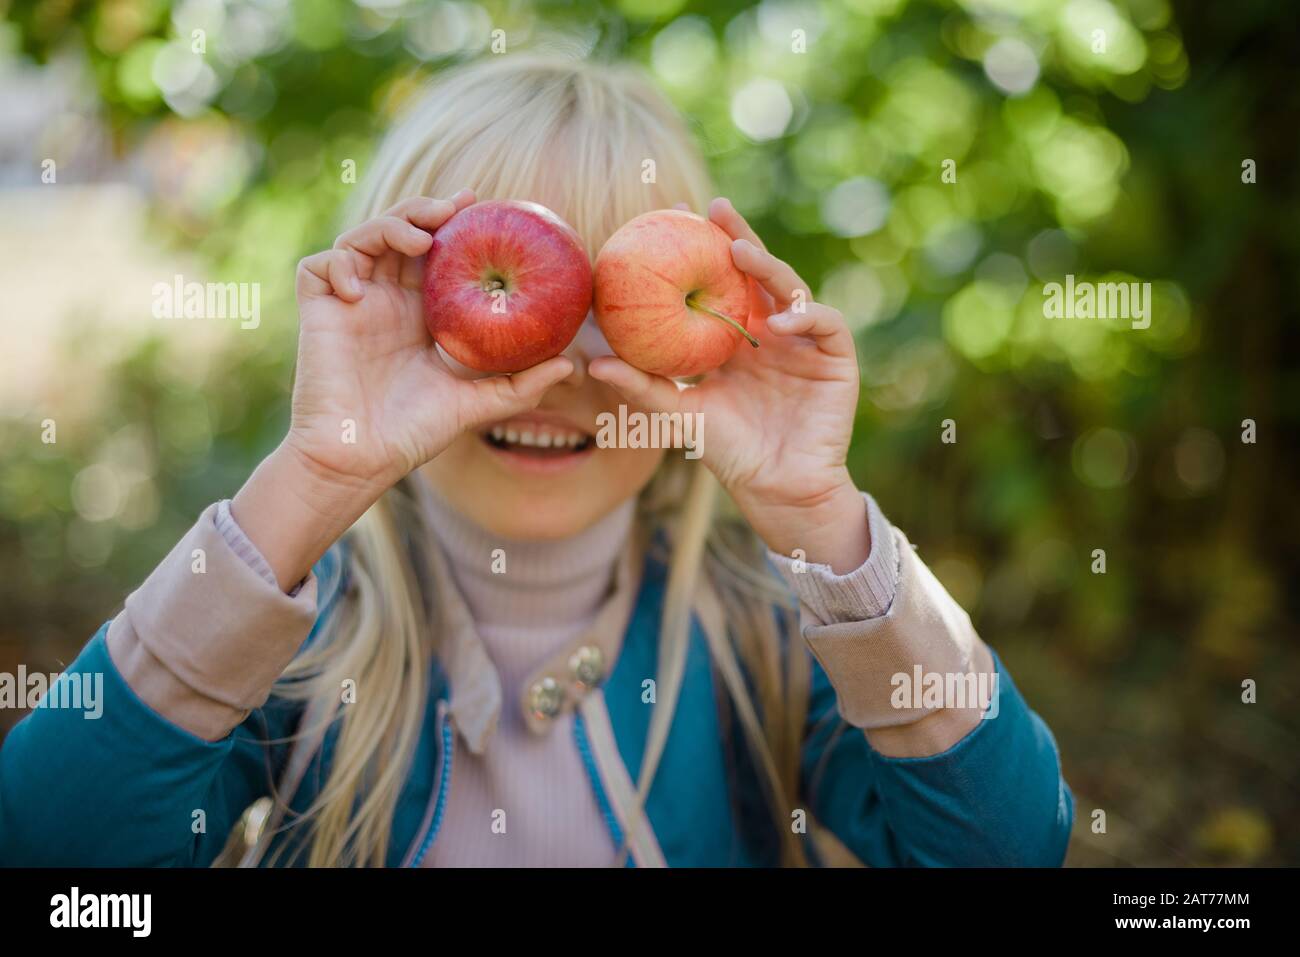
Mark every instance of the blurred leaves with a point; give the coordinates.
(1102, 139)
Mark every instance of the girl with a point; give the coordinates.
(438, 626)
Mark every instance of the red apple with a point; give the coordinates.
(506, 285)
(668, 298)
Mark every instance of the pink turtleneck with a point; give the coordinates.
(547, 598)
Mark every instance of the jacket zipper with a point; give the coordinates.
(438, 802)
(593, 773)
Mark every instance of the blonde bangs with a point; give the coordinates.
(594, 142)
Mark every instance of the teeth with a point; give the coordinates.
(541, 438)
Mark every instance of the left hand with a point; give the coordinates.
(777, 419)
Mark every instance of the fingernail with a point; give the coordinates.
(741, 245)
(354, 286)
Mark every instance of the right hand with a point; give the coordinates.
(365, 355)
(367, 364)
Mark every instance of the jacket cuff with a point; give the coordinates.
(205, 637)
(923, 628)
(866, 592)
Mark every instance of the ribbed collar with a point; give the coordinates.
(545, 584)
(570, 594)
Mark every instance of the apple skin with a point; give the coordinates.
(519, 254)
(654, 278)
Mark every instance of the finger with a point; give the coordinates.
(385, 245)
(733, 224)
(430, 213)
(728, 218)
(820, 322)
(648, 391)
(330, 272)
(501, 396)
(775, 276)
(384, 234)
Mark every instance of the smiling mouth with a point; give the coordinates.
(538, 441)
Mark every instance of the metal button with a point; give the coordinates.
(587, 665)
(545, 698)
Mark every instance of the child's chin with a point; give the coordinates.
(533, 515)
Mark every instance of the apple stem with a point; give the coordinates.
(727, 319)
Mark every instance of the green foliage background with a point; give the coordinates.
(1071, 436)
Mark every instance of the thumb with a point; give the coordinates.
(501, 396)
(639, 387)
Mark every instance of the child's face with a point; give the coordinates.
(532, 492)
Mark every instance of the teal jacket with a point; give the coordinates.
(123, 790)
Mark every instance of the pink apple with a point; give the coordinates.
(668, 298)
(506, 285)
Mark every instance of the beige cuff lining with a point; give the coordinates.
(205, 637)
(923, 628)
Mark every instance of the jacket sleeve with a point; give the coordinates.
(996, 797)
(182, 738)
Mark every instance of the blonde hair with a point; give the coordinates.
(486, 126)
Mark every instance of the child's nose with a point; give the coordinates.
(588, 344)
